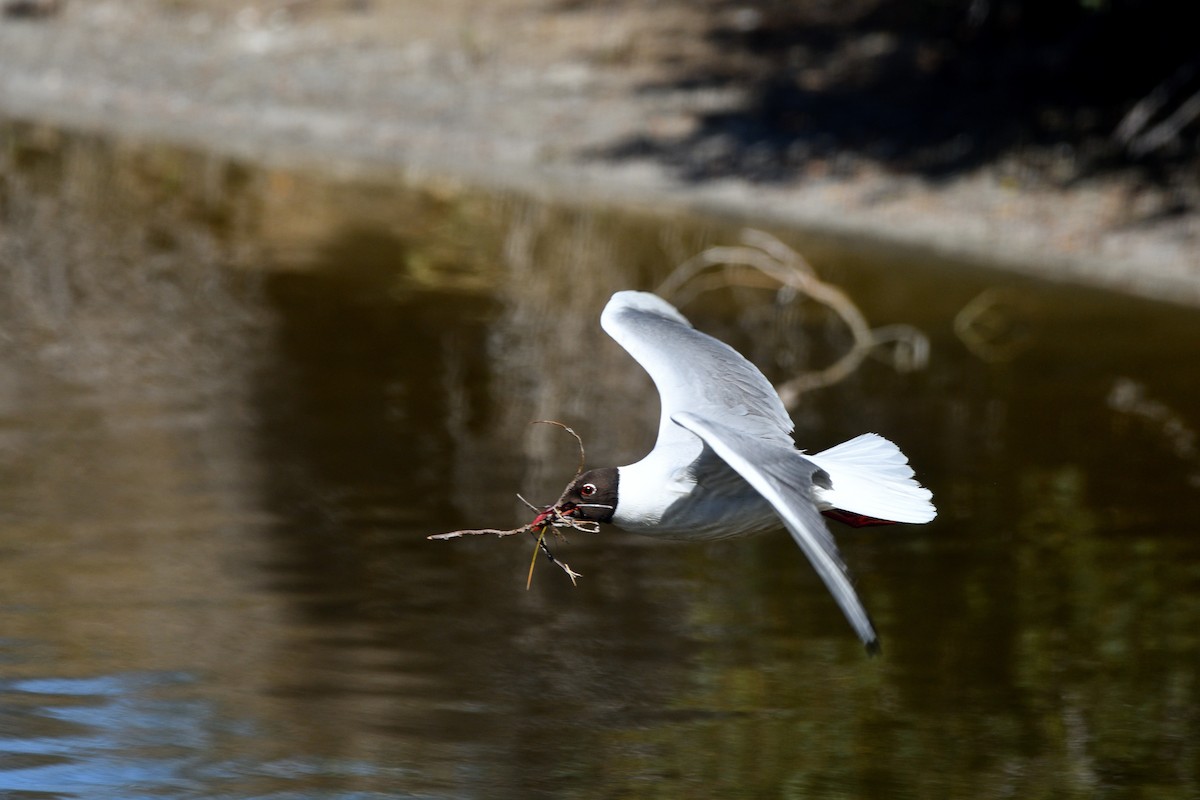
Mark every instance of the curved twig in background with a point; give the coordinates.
(776, 266)
(1136, 133)
(995, 325)
(1132, 398)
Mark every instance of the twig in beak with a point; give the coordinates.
(479, 532)
(548, 517)
(541, 543)
(578, 440)
(572, 574)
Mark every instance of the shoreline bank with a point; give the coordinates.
(471, 95)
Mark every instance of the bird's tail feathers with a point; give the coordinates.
(871, 479)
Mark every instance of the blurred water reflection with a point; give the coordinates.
(233, 402)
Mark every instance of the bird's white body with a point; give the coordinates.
(682, 507)
(724, 463)
(679, 491)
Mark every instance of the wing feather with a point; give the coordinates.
(871, 476)
(785, 479)
(693, 371)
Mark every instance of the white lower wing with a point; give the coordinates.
(784, 478)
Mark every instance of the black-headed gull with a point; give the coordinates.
(725, 464)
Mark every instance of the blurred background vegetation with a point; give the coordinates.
(1071, 88)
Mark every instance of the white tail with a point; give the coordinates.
(870, 476)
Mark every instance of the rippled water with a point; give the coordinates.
(233, 402)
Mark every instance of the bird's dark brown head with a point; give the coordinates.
(592, 496)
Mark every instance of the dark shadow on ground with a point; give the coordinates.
(937, 87)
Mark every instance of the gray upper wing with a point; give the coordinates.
(693, 371)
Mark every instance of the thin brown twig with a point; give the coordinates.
(578, 440)
(479, 532)
(548, 518)
(537, 530)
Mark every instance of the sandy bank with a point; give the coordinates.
(530, 95)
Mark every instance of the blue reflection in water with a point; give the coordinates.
(133, 735)
(105, 735)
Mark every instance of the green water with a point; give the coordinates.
(233, 403)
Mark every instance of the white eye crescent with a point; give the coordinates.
(587, 490)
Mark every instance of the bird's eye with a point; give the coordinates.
(588, 489)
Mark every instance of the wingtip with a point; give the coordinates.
(629, 299)
(874, 648)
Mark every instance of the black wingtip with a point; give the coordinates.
(874, 648)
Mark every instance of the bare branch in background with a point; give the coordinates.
(1135, 133)
(1133, 399)
(994, 325)
(774, 265)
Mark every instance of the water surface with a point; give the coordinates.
(233, 402)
